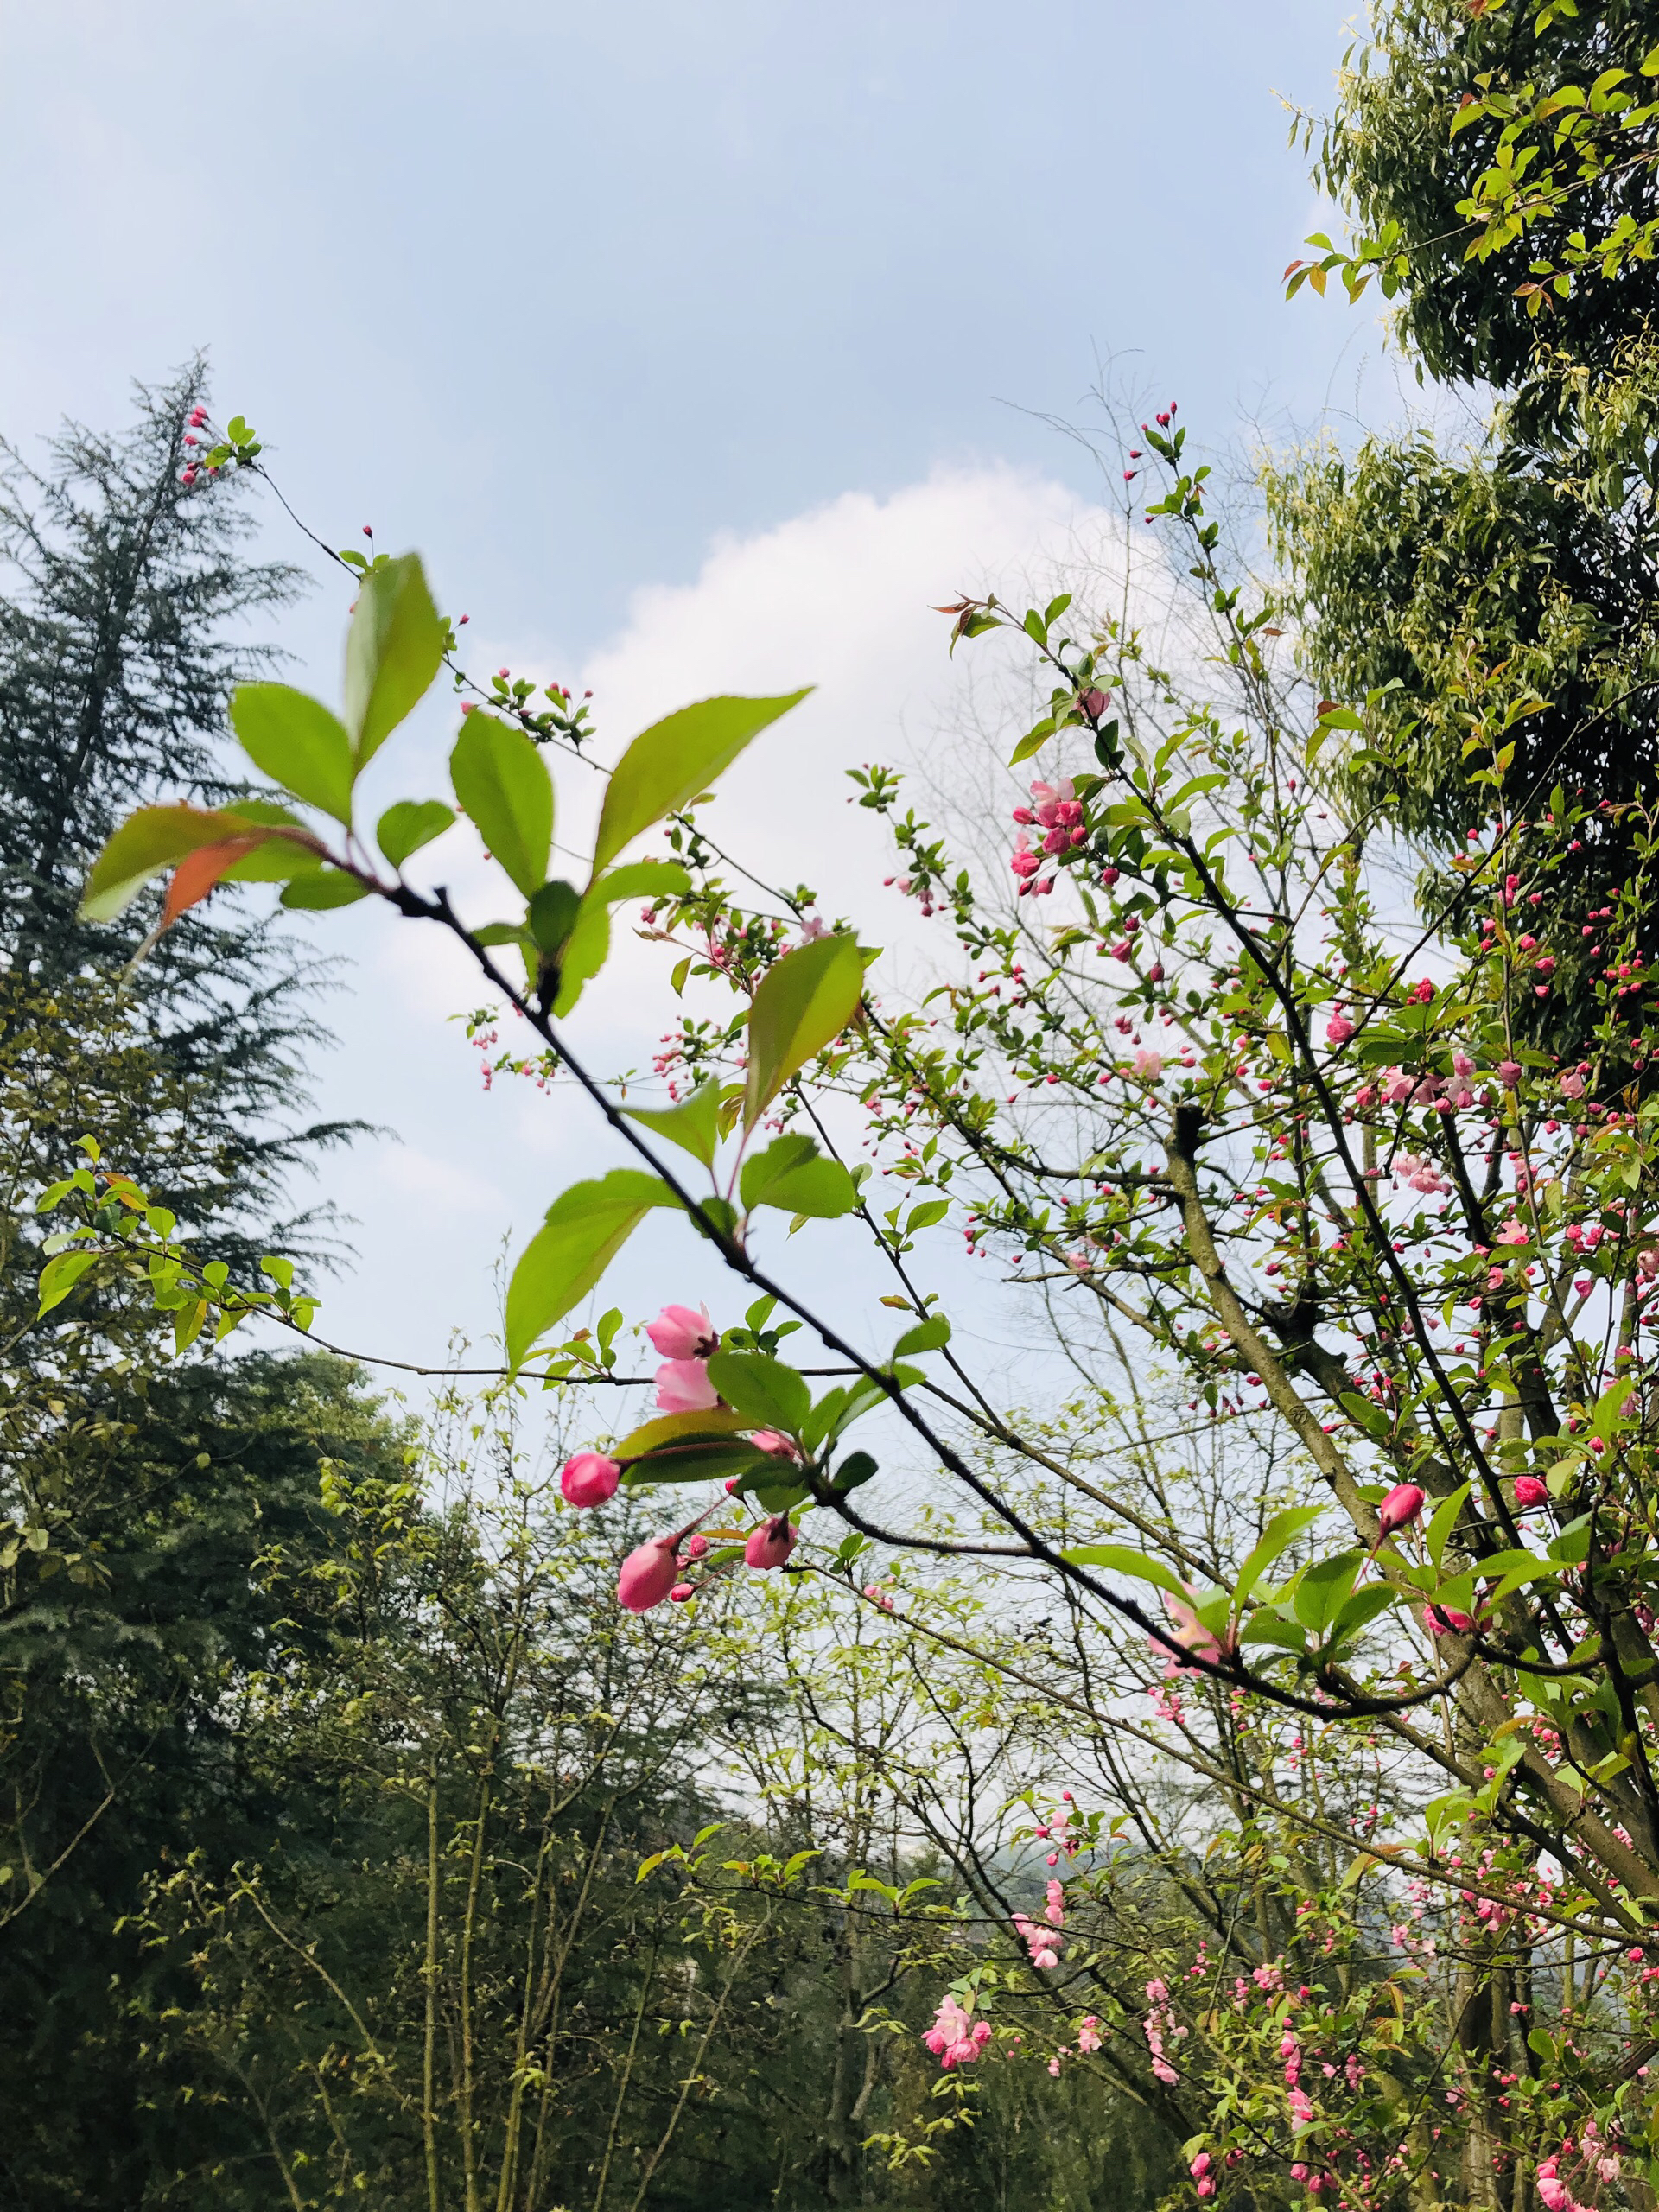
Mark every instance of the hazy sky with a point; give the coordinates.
(698, 347)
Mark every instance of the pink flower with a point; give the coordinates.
(1148, 1064)
(1024, 862)
(1573, 1084)
(683, 1333)
(648, 1575)
(1509, 1073)
(878, 1596)
(683, 1387)
(1094, 703)
(771, 1544)
(773, 1440)
(1462, 1066)
(1530, 1491)
(1088, 2037)
(1190, 1631)
(589, 1478)
(1398, 1510)
(1397, 1086)
(1339, 1030)
(1513, 1231)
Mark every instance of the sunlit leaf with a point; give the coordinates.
(393, 650)
(1119, 1559)
(501, 781)
(298, 742)
(804, 1002)
(693, 1125)
(411, 824)
(668, 764)
(584, 1230)
(761, 1388)
(152, 839)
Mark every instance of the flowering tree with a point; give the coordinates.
(1306, 1201)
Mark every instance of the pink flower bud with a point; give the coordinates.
(1399, 1508)
(771, 1544)
(648, 1575)
(1339, 1030)
(683, 1387)
(589, 1478)
(681, 1591)
(773, 1440)
(1530, 1491)
(683, 1333)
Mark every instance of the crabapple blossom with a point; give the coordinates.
(683, 1387)
(771, 1544)
(648, 1575)
(589, 1478)
(683, 1333)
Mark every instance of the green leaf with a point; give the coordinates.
(298, 742)
(931, 1335)
(1121, 1559)
(1323, 1587)
(668, 764)
(589, 943)
(642, 880)
(60, 1275)
(502, 783)
(694, 1124)
(927, 1214)
(1361, 1610)
(678, 1428)
(718, 1460)
(857, 1467)
(552, 916)
(329, 886)
(1279, 1535)
(1445, 1514)
(413, 822)
(393, 650)
(584, 1230)
(762, 1389)
(806, 1000)
(793, 1175)
(148, 842)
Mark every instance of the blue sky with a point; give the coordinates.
(696, 347)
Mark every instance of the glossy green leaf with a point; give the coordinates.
(718, 1460)
(329, 886)
(1121, 1559)
(1279, 1535)
(693, 1125)
(148, 842)
(1323, 1588)
(678, 1428)
(298, 742)
(931, 1335)
(584, 1230)
(552, 916)
(1439, 1528)
(668, 764)
(1358, 1611)
(804, 1002)
(589, 943)
(411, 824)
(393, 650)
(793, 1174)
(502, 783)
(60, 1275)
(761, 1389)
(857, 1467)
